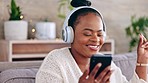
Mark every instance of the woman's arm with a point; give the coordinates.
(142, 72)
(142, 59)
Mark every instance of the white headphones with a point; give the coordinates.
(67, 31)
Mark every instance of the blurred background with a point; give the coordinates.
(117, 15)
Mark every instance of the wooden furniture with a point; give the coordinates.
(29, 50)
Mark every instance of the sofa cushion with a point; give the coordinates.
(127, 63)
(18, 75)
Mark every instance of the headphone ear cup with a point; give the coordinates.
(104, 38)
(68, 34)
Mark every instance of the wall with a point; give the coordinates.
(117, 14)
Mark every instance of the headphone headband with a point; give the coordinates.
(82, 7)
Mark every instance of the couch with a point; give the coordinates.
(25, 72)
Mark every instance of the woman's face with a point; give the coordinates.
(88, 35)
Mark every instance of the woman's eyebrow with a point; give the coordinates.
(87, 29)
(92, 30)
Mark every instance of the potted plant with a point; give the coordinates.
(45, 30)
(137, 26)
(63, 6)
(15, 28)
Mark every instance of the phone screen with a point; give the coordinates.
(105, 60)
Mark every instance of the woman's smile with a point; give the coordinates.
(93, 47)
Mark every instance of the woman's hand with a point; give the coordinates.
(142, 58)
(142, 50)
(103, 77)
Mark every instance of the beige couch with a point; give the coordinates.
(24, 72)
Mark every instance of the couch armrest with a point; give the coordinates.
(18, 75)
(127, 63)
(19, 72)
(21, 64)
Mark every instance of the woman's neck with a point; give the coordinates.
(83, 62)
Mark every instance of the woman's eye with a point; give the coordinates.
(100, 35)
(86, 34)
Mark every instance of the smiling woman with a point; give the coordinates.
(85, 29)
(91, 42)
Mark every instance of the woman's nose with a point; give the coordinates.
(95, 38)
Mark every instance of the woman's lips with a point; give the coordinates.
(94, 47)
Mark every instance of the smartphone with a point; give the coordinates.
(105, 60)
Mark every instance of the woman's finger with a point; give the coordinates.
(107, 76)
(103, 73)
(94, 71)
(145, 45)
(85, 74)
(141, 40)
(145, 40)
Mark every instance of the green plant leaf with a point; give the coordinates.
(61, 8)
(137, 26)
(15, 11)
(62, 16)
(128, 31)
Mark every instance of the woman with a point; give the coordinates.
(87, 35)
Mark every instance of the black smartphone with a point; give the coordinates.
(105, 60)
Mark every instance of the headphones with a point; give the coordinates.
(67, 31)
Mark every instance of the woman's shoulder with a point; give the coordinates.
(58, 54)
(59, 51)
(55, 57)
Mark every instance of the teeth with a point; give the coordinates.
(93, 46)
